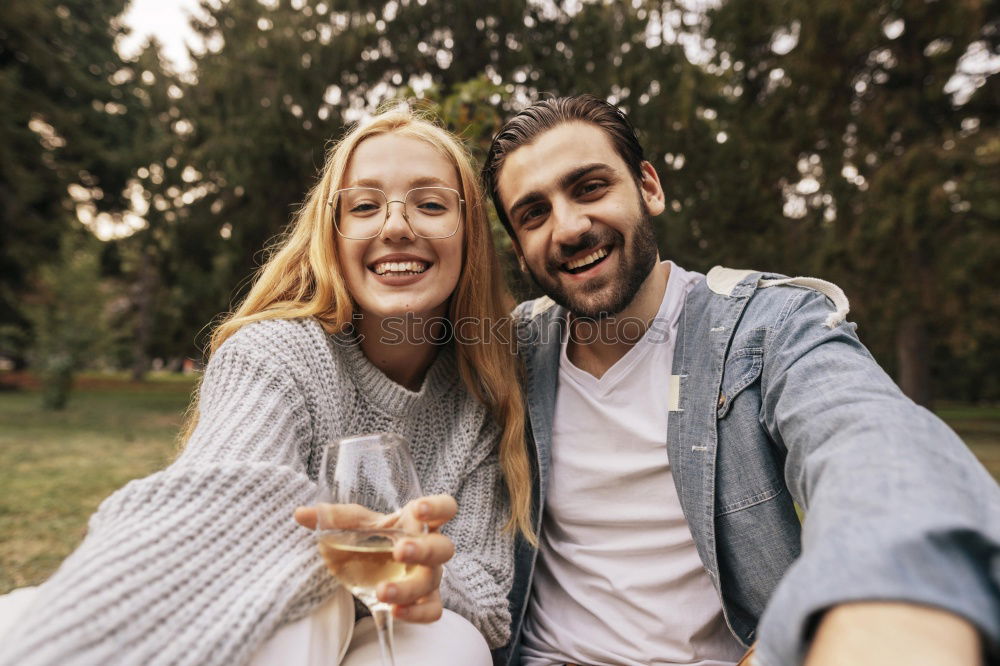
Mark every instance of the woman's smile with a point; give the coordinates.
(400, 270)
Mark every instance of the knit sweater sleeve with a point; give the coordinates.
(199, 563)
(478, 578)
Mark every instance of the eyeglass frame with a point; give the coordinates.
(461, 205)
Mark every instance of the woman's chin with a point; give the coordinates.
(410, 313)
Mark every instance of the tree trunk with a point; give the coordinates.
(145, 299)
(913, 357)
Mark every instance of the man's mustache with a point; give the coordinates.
(588, 241)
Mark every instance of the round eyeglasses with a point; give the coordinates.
(360, 213)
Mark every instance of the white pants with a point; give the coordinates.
(330, 630)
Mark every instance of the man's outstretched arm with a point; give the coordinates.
(877, 633)
(902, 523)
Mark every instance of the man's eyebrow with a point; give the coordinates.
(526, 200)
(564, 182)
(576, 174)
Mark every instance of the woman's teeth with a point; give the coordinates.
(589, 259)
(407, 267)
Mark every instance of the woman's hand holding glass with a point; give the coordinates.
(415, 598)
(368, 511)
(372, 531)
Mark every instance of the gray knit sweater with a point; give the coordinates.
(202, 562)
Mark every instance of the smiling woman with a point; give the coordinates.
(409, 258)
(202, 563)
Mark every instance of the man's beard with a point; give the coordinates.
(609, 295)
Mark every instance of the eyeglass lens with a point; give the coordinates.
(432, 212)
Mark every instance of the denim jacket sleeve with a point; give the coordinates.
(896, 506)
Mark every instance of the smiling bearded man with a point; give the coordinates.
(669, 466)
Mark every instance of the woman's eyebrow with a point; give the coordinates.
(419, 181)
(367, 182)
(425, 181)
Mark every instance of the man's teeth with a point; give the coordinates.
(400, 267)
(589, 259)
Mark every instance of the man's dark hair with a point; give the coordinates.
(542, 116)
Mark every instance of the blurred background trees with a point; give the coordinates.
(852, 141)
(69, 322)
(65, 137)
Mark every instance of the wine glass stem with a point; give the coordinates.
(383, 626)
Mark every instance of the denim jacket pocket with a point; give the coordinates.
(743, 368)
(760, 497)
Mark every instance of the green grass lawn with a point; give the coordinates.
(56, 467)
(980, 428)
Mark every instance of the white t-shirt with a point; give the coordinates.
(618, 580)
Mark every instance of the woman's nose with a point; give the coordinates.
(396, 226)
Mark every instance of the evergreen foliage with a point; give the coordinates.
(68, 315)
(819, 138)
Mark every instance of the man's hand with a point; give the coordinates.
(876, 633)
(416, 598)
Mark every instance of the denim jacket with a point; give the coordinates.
(778, 403)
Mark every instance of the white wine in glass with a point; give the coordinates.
(365, 483)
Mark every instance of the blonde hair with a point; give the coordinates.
(302, 278)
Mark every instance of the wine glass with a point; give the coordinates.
(365, 482)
